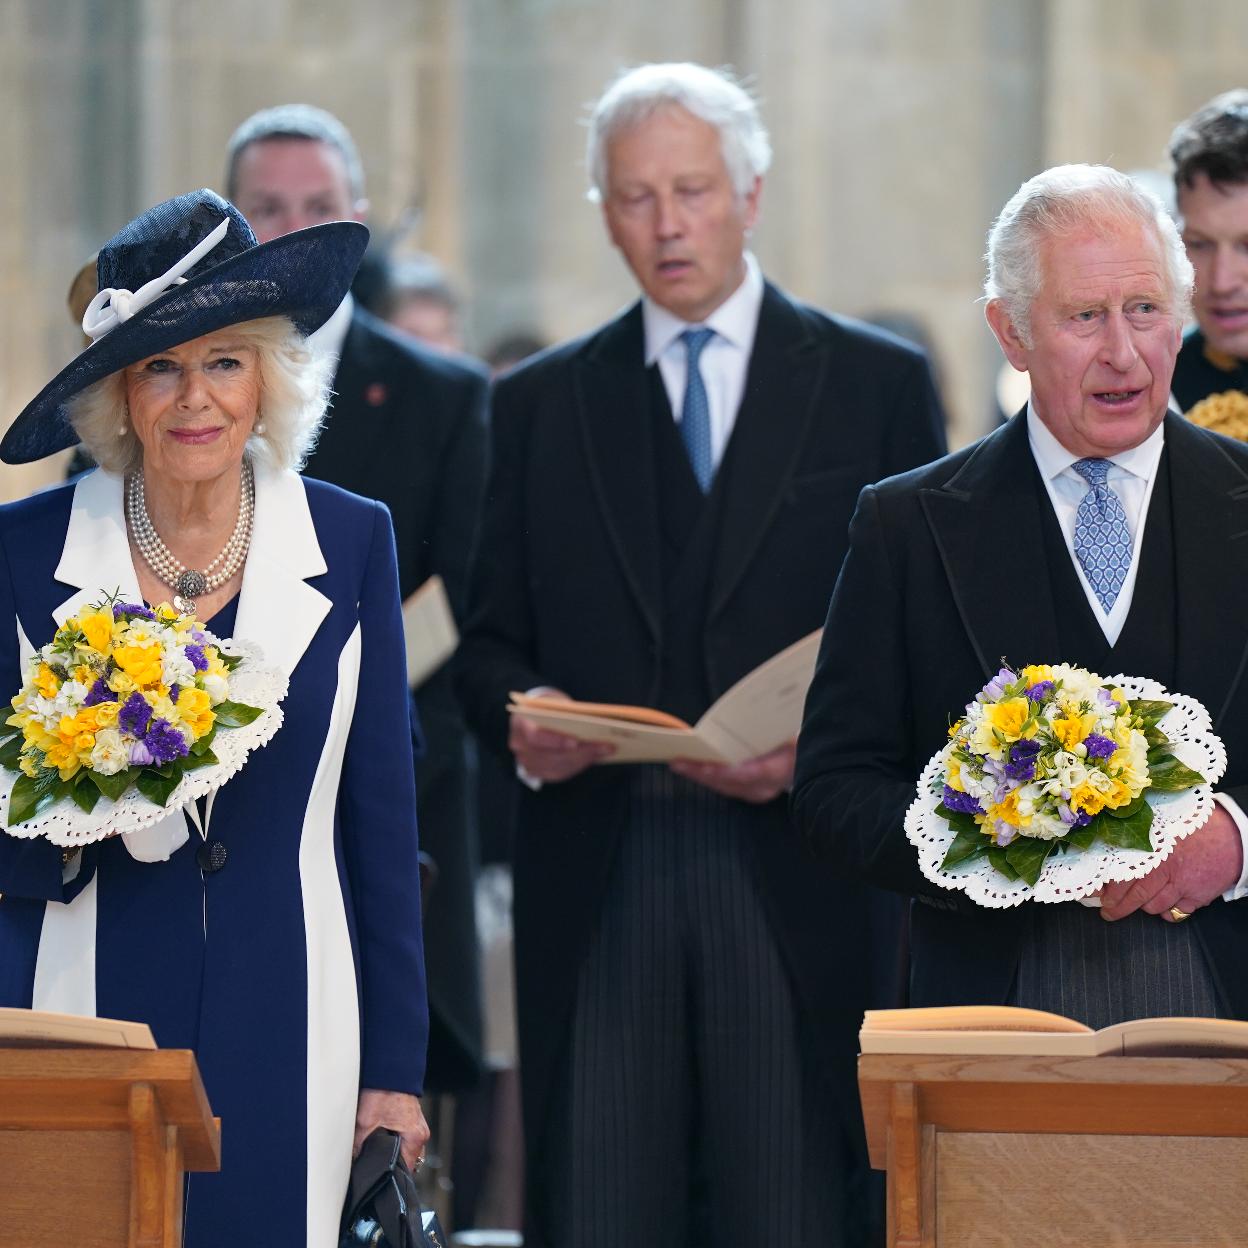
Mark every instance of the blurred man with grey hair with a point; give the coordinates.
(667, 509)
(1091, 529)
(406, 426)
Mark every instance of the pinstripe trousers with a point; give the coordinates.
(685, 1118)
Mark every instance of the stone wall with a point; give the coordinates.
(900, 128)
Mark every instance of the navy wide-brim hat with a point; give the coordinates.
(150, 299)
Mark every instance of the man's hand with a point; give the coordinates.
(756, 780)
(401, 1112)
(1200, 869)
(552, 756)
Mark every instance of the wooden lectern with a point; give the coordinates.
(93, 1145)
(1040, 1151)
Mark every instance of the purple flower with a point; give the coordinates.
(199, 636)
(174, 690)
(961, 803)
(1005, 833)
(1066, 815)
(996, 687)
(134, 715)
(1099, 747)
(196, 656)
(99, 692)
(1022, 764)
(1104, 695)
(165, 742)
(1083, 819)
(1038, 692)
(132, 609)
(140, 755)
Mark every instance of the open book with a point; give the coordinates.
(1010, 1030)
(36, 1028)
(759, 713)
(428, 630)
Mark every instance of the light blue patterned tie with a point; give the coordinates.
(695, 414)
(1102, 539)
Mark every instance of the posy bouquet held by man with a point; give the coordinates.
(128, 710)
(1057, 781)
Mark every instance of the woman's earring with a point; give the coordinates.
(124, 427)
(259, 427)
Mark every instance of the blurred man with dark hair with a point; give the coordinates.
(1210, 155)
(407, 427)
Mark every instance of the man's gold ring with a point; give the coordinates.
(1178, 915)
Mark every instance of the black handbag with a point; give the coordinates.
(382, 1209)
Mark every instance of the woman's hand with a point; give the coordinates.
(401, 1112)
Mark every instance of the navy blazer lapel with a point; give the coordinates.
(612, 389)
(786, 380)
(1209, 493)
(986, 522)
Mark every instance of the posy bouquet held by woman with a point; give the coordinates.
(124, 707)
(1057, 781)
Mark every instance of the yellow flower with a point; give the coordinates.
(63, 757)
(1007, 811)
(1069, 730)
(195, 711)
(1036, 673)
(120, 683)
(97, 627)
(47, 681)
(106, 713)
(142, 663)
(165, 612)
(1087, 799)
(1008, 718)
(953, 774)
(27, 765)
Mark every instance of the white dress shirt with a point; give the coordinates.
(1131, 476)
(724, 361)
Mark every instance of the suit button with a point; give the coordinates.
(211, 857)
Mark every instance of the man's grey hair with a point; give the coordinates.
(1063, 201)
(294, 393)
(714, 95)
(294, 121)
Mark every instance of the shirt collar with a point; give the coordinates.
(329, 338)
(736, 319)
(1052, 458)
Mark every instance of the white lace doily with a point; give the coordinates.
(1071, 875)
(252, 682)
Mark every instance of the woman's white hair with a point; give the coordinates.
(294, 392)
(1060, 202)
(714, 95)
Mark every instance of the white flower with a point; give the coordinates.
(1069, 772)
(176, 668)
(111, 754)
(216, 687)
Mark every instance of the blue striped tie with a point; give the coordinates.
(1102, 539)
(695, 413)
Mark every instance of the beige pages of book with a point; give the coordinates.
(760, 712)
(1010, 1030)
(429, 631)
(37, 1028)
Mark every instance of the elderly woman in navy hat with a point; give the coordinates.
(274, 929)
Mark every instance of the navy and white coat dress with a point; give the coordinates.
(296, 970)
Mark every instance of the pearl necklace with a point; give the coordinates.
(187, 583)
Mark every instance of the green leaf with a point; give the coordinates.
(236, 714)
(230, 661)
(1169, 775)
(1150, 710)
(958, 820)
(997, 856)
(1026, 855)
(204, 744)
(11, 751)
(1131, 832)
(114, 786)
(157, 788)
(1085, 837)
(1125, 812)
(966, 846)
(1153, 736)
(32, 794)
(193, 761)
(85, 795)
